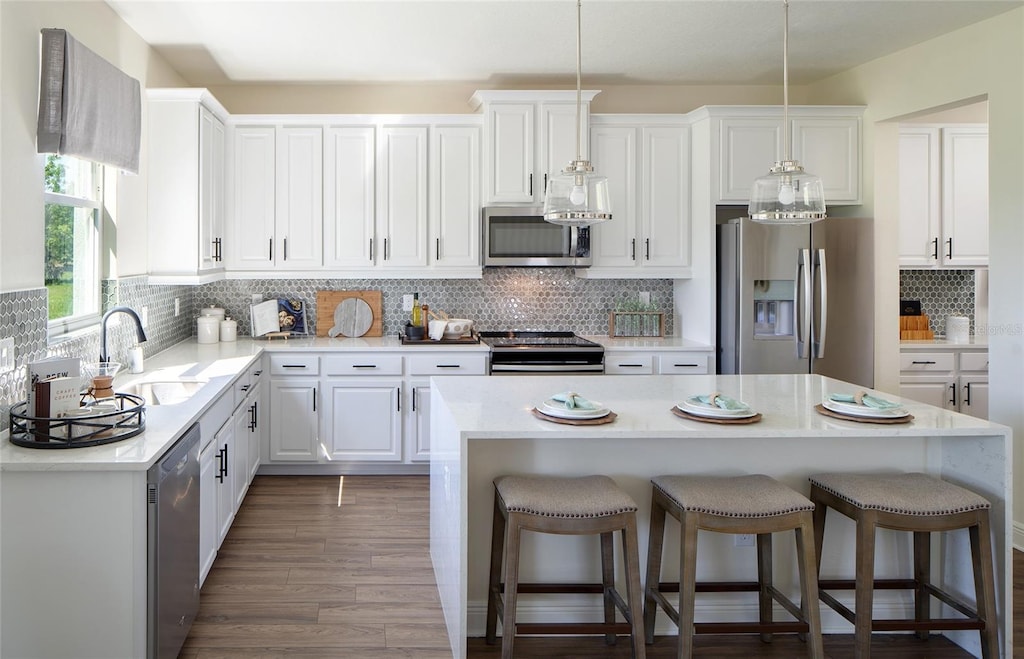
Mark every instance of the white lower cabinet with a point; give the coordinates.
(224, 447)
(207, 509)
(662, 362)
(362, 419)
(293, 419)
(240, 456)
(954, 379)
(418, 428)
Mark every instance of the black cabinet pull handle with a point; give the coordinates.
(967, 397)
(244, 387)
(935, 248)
(647, 248)
(257, 373)
(220, 466)
(952, 389)
(271, 246)
(314, 399)
(285, 249)
(531, 185)
(631, 365)
(685, 365)
(293, 366)
(414, 399)
(364, 366)
(398, 400)
(449, 365)
(633, 249)
(922, 362)
(386, 249)
(437, 249)
(545, 182)
(371, 249)
(949, 248)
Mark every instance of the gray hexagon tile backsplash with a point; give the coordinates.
(942, 293)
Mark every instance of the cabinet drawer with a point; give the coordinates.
(627, 363)
(366, 363)
(926, 361)
(447, 364)
(974, 361)
(683, 363)
(294, 364)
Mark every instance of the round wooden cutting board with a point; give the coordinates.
(352, 318)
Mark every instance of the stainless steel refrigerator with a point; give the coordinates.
(796, 299)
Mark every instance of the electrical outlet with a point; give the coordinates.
(6, 354)
(407, 302)
(645, 297)
(145, 317)
(177, 307)
(743, 540)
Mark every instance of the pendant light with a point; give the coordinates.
(787, 194)
(577, 196)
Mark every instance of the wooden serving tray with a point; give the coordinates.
(471, 339)
(821, 409)
(328, 301)
(682, 414)
(610, 417)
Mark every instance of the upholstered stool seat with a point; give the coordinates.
(588, 505)
(921, 504)
(754, 504)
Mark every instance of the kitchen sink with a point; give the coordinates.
(164, 392)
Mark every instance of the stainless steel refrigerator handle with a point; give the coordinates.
(803, 324)
(823, 306)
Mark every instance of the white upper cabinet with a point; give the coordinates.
(454, 195)
(186, 186)
(943, 187)
(529, 136)
(647, 162)
(402, 197)
(277, 212)
(825, 140)
(349, 196)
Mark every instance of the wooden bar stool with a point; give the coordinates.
(754, 504)
(921, 504)
(588, 505)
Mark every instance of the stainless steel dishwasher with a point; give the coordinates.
(173, 567)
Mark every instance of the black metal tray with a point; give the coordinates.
(127, 420)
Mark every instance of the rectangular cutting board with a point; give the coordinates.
(328, 301)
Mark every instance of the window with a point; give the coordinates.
(72, 194)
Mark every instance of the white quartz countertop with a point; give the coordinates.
(975, 343)
(362, 344)
(219, 363)
(674, 343)
(499, 407)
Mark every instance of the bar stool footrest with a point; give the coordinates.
(750, 627)
(891, 584)
(574, 628)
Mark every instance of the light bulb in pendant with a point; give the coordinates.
(578, 195)
(786, 194)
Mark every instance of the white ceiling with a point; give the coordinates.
(218, 42)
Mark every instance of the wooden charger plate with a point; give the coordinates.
(600, 421)
(682, 414)
(821, 409)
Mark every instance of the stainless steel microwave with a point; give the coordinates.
(520, 236)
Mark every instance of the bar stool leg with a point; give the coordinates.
(508, 620)
(984, 585)
(687, 582)
(655, 543)
(634, 594)
(608, 581)
(922, 577)
(494, 585)
(765, 581)
(819, 529)
(865, 585)
(806, 558)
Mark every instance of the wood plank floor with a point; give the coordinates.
(306, 572)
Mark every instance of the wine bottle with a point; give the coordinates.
(417, 312)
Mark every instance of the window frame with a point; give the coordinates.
(60, 328)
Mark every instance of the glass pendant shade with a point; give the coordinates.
(577, 196)
(787, 195)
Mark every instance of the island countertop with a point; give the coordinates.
(482, 427)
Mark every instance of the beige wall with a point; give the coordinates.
(21, 168)
(985, 60)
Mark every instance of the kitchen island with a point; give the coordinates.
(481, 427)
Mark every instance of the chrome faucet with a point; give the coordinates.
(104, 357)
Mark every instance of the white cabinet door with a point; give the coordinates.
(974, 395)
(362, 419)
(829, 147)
(614, 244)
(299, 222)
(418, 428)
(240, 457)
(665, 197)
(402, 196)
(920, 196)
(257, 415)
(225, 477)
(965, 196)
(455, 195)
(211, 191)
(557, 142)
(293, 419)
(748, 147)
(208, 487)
(252, 240)
(349, 196)
(933, 390)
(509, 149)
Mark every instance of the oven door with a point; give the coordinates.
(547, 362)
(521, 237)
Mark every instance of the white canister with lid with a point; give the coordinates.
(207, 329)
(215, 312)
(958, 329)
(228, 329)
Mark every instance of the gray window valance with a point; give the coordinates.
(88, 108)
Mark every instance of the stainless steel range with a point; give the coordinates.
(536, 353)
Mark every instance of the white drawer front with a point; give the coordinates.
(627, 363)
(448, 364)
(294, 364)
(366, 363)
(926, 361)
(683, 363)
(974, 361)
